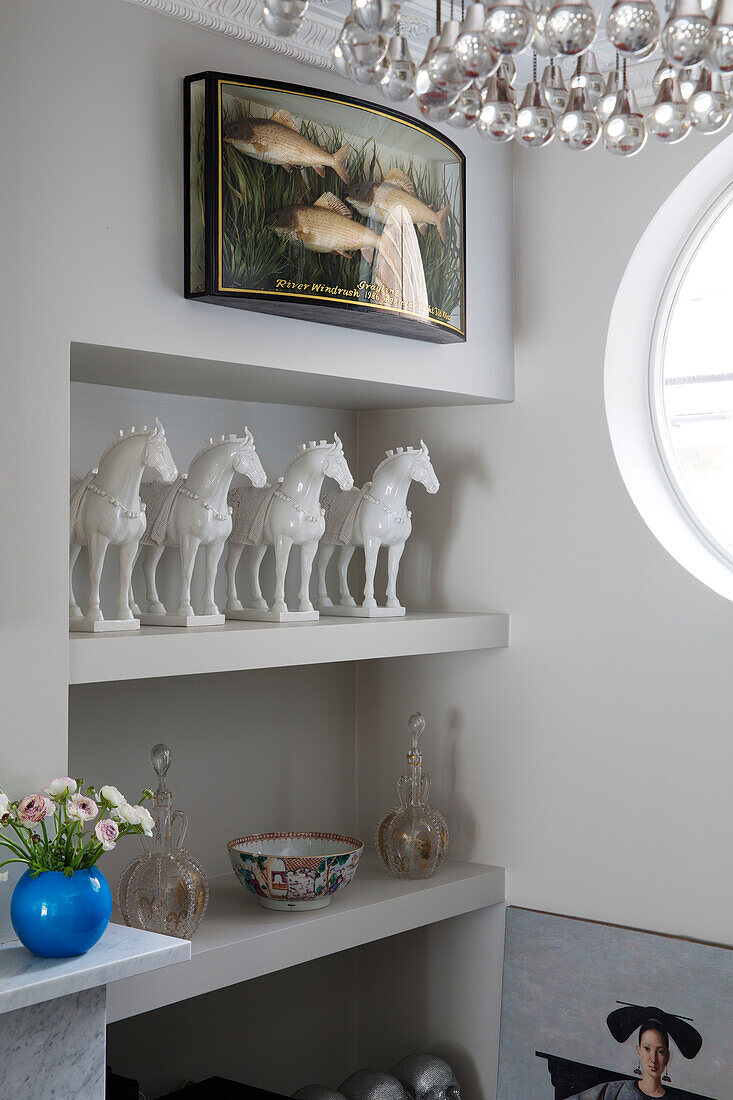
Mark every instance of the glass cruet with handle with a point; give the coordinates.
(165, 889)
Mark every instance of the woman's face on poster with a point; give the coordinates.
(653, 1052)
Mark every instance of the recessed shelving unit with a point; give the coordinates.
(239, 940)
(155, 651)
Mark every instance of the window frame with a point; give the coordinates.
(643, 301)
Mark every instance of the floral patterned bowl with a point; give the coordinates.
(295, 871)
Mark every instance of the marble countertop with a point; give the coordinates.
(121, 953)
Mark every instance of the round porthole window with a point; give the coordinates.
(669, 373)
(691, 377)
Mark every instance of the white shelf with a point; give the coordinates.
(239, 940)
(166, 651)
(27, 980)
(167, 373)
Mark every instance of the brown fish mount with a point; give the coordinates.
(278, 140)
(378, 200)
(327, 226)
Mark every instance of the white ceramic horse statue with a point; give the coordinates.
(284, 515)
(106, 510)
(372, 517)
(195, 513)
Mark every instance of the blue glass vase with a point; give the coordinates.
(55, 915)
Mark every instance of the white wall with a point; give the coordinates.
(592, 757)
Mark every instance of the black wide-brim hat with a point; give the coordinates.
(622, 1022)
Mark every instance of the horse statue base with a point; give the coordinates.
(361, 612)
(170, 618)
(89, 626)
(271, 616)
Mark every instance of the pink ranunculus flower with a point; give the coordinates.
(82, 808)
(32, 809)
(107, 833)
(64, 784)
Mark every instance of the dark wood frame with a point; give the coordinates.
(360, 315)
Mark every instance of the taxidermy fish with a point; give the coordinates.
(378, 200)
(327, 226)
(277, 140)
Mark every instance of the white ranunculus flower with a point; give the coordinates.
(50, 806)
(107, 833)
(137, 815)
(4, 804)
(64, 784)
(112, 796)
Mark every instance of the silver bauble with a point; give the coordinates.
(370, 1084)
(369, 75)
(444, 67)
(720, 52)
(611, 90)
(497, 118)
(465, 110)
(435, 113)
(687, 34)
(555, 87)
(287, 9)
(624, 132)
(279, 25)
(398, 80)
(668, 118)
(360, 47)
(427, 1077)
(539, 43)
(340, 63)
(473, 53)
(509, 26)
(376, 15)
(571, 27)
(633, 26)
(578, 127)
(709, 105)
(535, 120)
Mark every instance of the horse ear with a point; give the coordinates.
(157, 430)
(423, 447)
(248, 438)
(337, 444)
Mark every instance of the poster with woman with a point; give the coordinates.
(594, 1011)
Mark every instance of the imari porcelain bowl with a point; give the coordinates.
(295, 871)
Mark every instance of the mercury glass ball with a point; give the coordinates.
(570, 28)
(497, 120)
(475, 57)
(375, 15)
(398, 80)
(539, 43)
(429, 93)
(509, 27)
(668, 118)
(368, 75)
(535, 120)
(624, 132)
(608, 99)
(447, 71)
(465, 110)
(280, 25)
(363, 48)
(686, 39)
(709, 107)
(720, 53)
(633, 26)
(555, 87)
(435, 112)
(287, 9)
(340, 63)
(590, 78)
(578, 127)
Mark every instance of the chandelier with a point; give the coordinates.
(468, 74)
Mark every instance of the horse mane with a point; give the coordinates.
(303, 448)
(390, 455)
(211, 443)
(123, 436)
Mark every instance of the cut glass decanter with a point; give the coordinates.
(164, 890)
(412, 839)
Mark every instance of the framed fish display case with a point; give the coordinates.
(318, 206)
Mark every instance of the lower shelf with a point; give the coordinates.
(239, 940)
